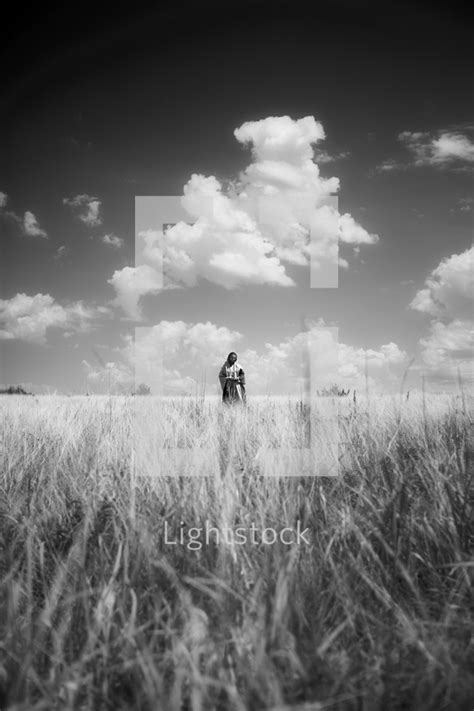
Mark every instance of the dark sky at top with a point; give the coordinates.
(205, 64)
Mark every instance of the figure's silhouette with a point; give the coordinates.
(232, 380)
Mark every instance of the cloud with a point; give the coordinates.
(114, 376)
(448, 297)
(447, 149)
(322, 157)
(444, 149)
(279, 211)
(465, 204)
(113, 240)
(449, 288)
(28, 318)
(172, 354)
(31, 226)
(130, 284)
(175, 357)
(279, 368)
(448, 350)
(280, 138)
(389, 165)
(284, 193)
(86, 208)
(224, 245)
(28, 223)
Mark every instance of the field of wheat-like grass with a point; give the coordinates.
(99, 611)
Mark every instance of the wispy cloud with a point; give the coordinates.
(28, 223)
(464, 204)
(113, 241)
(322, 157)
(443, 149)
(86, 208)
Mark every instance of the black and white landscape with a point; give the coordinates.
(291, 183)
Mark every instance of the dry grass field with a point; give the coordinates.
(98, 610)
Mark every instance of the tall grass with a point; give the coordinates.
(98, 612)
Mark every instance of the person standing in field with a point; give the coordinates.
(232, 380)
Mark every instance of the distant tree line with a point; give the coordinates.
(333, 391)
(14, 390)
(142, 389)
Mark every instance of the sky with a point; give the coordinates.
(180, 182)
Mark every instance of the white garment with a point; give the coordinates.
(232, 371)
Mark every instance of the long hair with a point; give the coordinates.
(231, 353)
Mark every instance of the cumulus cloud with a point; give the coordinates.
(448, 350)
(280, 211)
(31, 226)
(86, 208)
(281, 138)
(224, 245)
(28, 318)
(175, 357)
(3, 200)
(285, 193)
(441, 149)
(449, 288)
(280, 368)
(448, 298)
(171, 357)
(130, 284)
(113, 240)
(183, 350)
